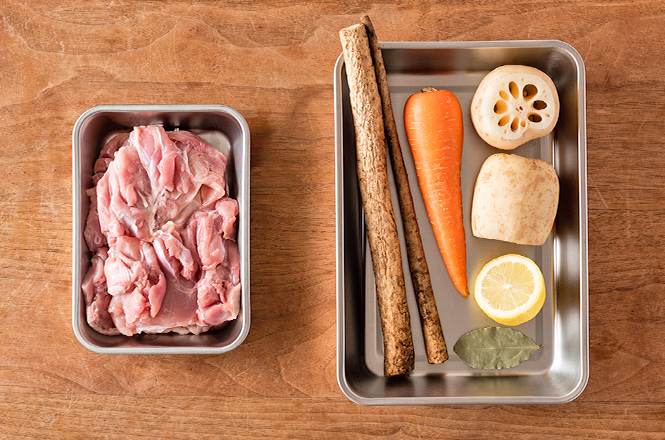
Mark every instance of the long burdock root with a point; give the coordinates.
(435, 343)
(375, 194)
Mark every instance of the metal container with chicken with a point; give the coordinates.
(161, 229)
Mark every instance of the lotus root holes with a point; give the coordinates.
(504, 121)
(500, 107)
(539, 105)
(514, 90)
(529, 92)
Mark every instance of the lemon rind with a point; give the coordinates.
(526, 311)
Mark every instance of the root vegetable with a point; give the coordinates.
(435, 344)
(435, 130)
(514, 104)
(375, 194)
(515, 199)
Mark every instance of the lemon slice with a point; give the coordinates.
(510, 289)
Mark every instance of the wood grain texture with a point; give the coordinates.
(273, 62)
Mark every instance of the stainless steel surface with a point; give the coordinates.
(558, 372)
(228, 131)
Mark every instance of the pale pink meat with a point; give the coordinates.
(92, 232)
(162, 230)
(96, 296)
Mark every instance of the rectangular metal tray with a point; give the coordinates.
(558, 372)
(227, 131)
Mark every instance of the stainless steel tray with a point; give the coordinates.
(556, 373)
(228, 132)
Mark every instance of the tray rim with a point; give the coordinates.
(582, 224)
(243, 225)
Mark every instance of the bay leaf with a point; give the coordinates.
(495, 348)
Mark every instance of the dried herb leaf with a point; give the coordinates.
(495, 348)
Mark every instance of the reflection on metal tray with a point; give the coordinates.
(556, 373)
(227, 131)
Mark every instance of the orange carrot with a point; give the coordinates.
(435, 131)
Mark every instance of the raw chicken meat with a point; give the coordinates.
(162, 230)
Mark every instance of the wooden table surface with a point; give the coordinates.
(273, 61)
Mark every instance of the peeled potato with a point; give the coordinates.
(515, 199)
(514, 104)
